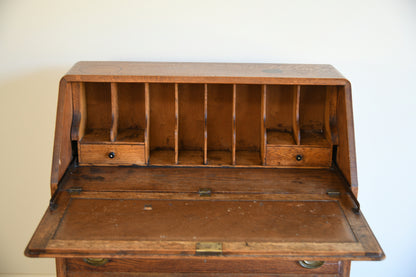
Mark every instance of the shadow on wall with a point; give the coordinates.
(27, 120)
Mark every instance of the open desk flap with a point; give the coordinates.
(290, 217)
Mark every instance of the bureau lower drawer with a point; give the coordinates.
(298, 156)
(202, 265)
(110, 154)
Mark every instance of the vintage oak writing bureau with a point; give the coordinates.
(193, 169)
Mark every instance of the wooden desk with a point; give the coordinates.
(195, 169)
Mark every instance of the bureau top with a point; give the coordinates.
(205, 72)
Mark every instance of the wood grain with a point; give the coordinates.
(203, 265)
(62, 149)
(310, 156)
(114, 112)
(124, 154)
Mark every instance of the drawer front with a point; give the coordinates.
(109, 154)
(298, 156)
(203, 265)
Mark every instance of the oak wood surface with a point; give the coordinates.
(231, 123)
(203, 265)
(98, 154)
(62, 149)
(230, 73)
(309, 156)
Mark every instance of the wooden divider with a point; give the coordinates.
(233, 143)
(114, 112)
(295, 114)
(80, 111)
(147, 124)
(176, 124)
(205, 124)
(331, 131)
(263, 131)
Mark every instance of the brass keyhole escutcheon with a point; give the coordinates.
(311, 264)
(96, 261)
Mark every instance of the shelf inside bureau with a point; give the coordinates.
(204, 124)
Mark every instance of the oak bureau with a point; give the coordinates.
(203, 169)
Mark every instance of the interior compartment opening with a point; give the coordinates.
(162, 123)
(220, 124)
(312, 115)
(131, 103)
(98, 108)
(191, 128)
(281, 114)
(248, 124)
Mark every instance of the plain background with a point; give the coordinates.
(373, 43)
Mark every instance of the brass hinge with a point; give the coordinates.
(75, 190)
(204, 192)
(208, 248)
(333, 193)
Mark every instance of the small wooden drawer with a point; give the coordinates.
(207, 265)
(298, 156)
(111, 154)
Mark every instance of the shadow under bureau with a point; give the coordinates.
(203, 169)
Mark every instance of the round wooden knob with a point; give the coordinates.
(111, 155)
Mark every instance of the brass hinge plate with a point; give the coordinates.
(75, 190)
(208, 248)
(333, 193)
(204, 192)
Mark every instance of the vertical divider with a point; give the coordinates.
(205, 124)
(295, 114)
(80, 110)
(147, 124)
(331, 132)
(176, 123)
(233, 143)
(114, 112)
(263, 135)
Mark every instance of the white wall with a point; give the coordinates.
(373, 43)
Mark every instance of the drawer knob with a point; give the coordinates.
(299, 157)
(111, 155)
(311, 264)
(96, 262)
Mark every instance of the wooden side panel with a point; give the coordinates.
(346, 149)
(62, 150)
